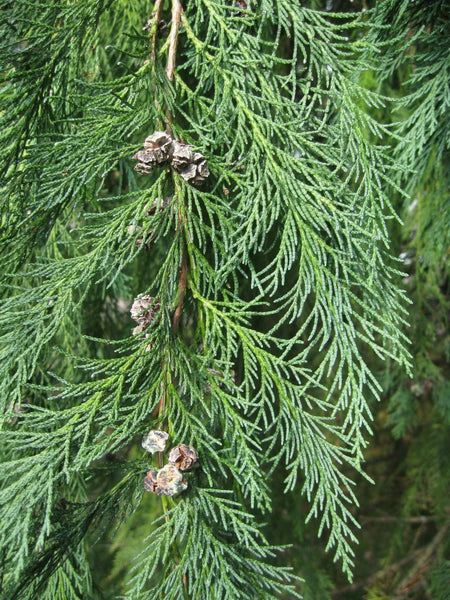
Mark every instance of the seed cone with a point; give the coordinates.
(183, 457)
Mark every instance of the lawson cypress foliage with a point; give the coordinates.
(255, 225)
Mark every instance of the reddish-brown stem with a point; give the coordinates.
(182, 290)
(161, 406)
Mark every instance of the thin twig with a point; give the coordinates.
(177, 9)
(161, 406)
(418, 587)
(421, 565)
(374, 578)
(390, 519)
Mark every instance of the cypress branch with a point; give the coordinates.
(271, 276)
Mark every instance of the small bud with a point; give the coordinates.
(183, 457)
(146, 239)
(133, 229)
(155, 441)
(158, 205)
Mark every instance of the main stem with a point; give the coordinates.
(156, 17)
(177, 9)
(170, 70)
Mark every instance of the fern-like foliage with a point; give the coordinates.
(274, 280)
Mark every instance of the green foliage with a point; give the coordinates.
(440, 581)
(276, 285)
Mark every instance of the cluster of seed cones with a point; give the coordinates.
(160, 148)
(169, 480)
